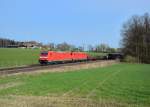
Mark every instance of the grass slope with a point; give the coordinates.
(94, 54)
(10, 57)
(124, 83)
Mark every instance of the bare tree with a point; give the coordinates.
(81, 48)
(51, 46)
(136, 38)
(90, 48)
(63, 46)
(102, 48)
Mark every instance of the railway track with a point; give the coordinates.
(36, 67)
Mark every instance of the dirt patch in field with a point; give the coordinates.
(75, 67)
(39, 101)
(9, 85)
(81, 66)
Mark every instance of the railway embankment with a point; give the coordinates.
(60, 67)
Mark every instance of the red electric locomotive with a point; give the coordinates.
(52, 56)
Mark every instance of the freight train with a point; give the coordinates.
(61, 57)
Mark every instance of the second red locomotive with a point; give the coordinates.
(52, 56)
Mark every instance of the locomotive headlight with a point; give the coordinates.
(43, 57)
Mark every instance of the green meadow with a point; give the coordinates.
(11, 57)
(122, 83)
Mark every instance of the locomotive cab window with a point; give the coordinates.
(44, 53)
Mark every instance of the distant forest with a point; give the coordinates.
(7, 42)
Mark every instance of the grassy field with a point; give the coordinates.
(10, 57)
(120, 85)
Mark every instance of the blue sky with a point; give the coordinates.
(79, 22)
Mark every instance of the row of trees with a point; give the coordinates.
(63, 47)
(136, 38)
(59, 47)
(7, 42)
(102, 48)
(68, 47)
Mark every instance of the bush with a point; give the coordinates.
(130, 59)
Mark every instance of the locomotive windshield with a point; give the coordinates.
(44, 53)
